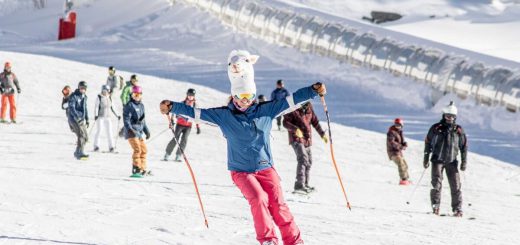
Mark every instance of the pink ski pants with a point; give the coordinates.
(263, 192)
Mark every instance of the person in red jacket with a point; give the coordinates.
(182, 130)
(298, 123)
(395, 145)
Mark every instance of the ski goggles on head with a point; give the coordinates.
(244, 96)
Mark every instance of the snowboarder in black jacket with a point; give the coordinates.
(444, 141)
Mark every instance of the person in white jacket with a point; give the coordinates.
(102, 116)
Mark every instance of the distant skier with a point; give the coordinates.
(127, 90)
(102, 116)
(443, 143)
(182, 130)
(78, 118)
(279, 94)
(261, 98)
(65, 103)
(395, 145)
(126, 95)
(298, 124)
(246, 125)
(8, 83)
(136, 131)
(114, 80)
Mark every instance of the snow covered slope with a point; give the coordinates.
(47, 197)
(185, 43)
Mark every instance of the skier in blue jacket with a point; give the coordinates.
(279, 93)
(246, 125)
(78, 118)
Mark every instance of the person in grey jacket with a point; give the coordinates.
(442, 145)
(114, 80)
(78, 118)
(8, 83)
(102, 116)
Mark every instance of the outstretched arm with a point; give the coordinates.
(210, 115)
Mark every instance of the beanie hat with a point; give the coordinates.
(241, 73)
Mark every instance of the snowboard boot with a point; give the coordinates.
(136, 172)
(13, 121)
(435, 209)
(82, 156)
(3, 121)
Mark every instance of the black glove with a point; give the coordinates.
(147, 134)
(118, 118)
(463, 166)
(88, 124)
(18, 90)
(1, 90)
(426, 162)
(95, 118)
(198, 130)
(405, 144)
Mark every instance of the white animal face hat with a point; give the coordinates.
(241, 73)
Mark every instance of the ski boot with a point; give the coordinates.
(457, 213)
(269, 243)
(405, 182)
(435, 209)
(96, 149)
(178, 158)
(166, 156)
(111, 150)
(310, 188)
(13, 121)
(300, 189)
(82, 156)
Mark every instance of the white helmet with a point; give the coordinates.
(450, 109)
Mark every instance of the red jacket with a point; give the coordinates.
(183, 121)
(395, 143)
(302, 119)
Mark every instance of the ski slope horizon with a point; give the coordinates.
(184, 43)
(49, 197)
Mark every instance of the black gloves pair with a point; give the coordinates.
(426, 162)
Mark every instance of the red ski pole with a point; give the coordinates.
(191, 173)
(332, 152)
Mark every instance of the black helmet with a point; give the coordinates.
(111, 68)
(191, 91)
(261, 98)
(279, 82)
(133, 77)
(82, 84)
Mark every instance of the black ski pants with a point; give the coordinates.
(181, 134)
(452, 172)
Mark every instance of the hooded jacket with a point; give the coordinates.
(247, 133)
(8, 82)
(133, 119)
(302, 119)
(394, 142)
(444, 141)
(77, 110)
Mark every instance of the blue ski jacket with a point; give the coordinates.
(77, 110)
(279, 94)
(247, 133)
(133, 119)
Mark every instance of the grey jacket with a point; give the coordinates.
(104, 106)
(444, 141)
(9, 82)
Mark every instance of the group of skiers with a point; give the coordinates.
(443, 143)
(246, 123)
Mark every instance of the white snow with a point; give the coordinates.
(47, 197)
